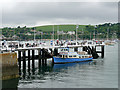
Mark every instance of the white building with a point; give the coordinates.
(71, 32)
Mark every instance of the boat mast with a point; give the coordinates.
(53, 35)
(107, 32)
(34, 34)
(58, 32)
(76, 33)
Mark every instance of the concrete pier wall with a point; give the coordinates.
(9, 67)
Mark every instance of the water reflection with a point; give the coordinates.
(51, 69)
(10, 84)
(59, 73)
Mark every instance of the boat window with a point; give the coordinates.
(82, 56)
(74, 56)
(66, 56)
(79, 56)
(70, 56)
(60, 55)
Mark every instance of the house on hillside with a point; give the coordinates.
(14, 36)
(28, 34)
(71, 32)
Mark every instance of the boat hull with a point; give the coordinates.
(58, 60)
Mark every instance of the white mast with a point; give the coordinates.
(107, 32)
(53, 35)
(34, 34)
(58, 31)
(76, 33)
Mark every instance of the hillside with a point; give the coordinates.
(61, 27)
(46, 32)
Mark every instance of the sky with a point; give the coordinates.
(38, 12)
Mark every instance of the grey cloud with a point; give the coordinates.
(32, 13)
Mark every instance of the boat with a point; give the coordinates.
(110, 43)
(70, 57)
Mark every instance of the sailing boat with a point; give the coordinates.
(108, 42)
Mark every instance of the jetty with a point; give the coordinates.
(26, 55)
(42, 53)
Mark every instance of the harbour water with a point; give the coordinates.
(99, 73)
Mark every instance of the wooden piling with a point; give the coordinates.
(24, 61)
(43, 56)
(45, 61)
(39, 60)
(19, 60)
(33, 63)
(28, 60)
(102, 51)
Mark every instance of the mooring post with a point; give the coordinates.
(102, 51)
(43, 56)
(24, 62)
(39, 54)
(33, 64)
(19, 60)
(52, 61)
(28, 60)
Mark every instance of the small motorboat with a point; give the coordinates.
(70, 57)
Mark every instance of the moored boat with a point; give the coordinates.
(71, 57)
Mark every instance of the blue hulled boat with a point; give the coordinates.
(69, 57)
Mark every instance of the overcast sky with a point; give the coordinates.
(43, 13)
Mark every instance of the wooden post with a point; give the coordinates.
(24, 62)
(102, 51)
(45, 61)
(33, 59)
(43, 56)
(28, 60)
(39, 54)
(19, 60)
(52, 61)
(33, 64)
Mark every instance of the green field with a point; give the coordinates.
(60, 27)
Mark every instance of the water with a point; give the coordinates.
(100, 73)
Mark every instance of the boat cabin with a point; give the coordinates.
(72, 55)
